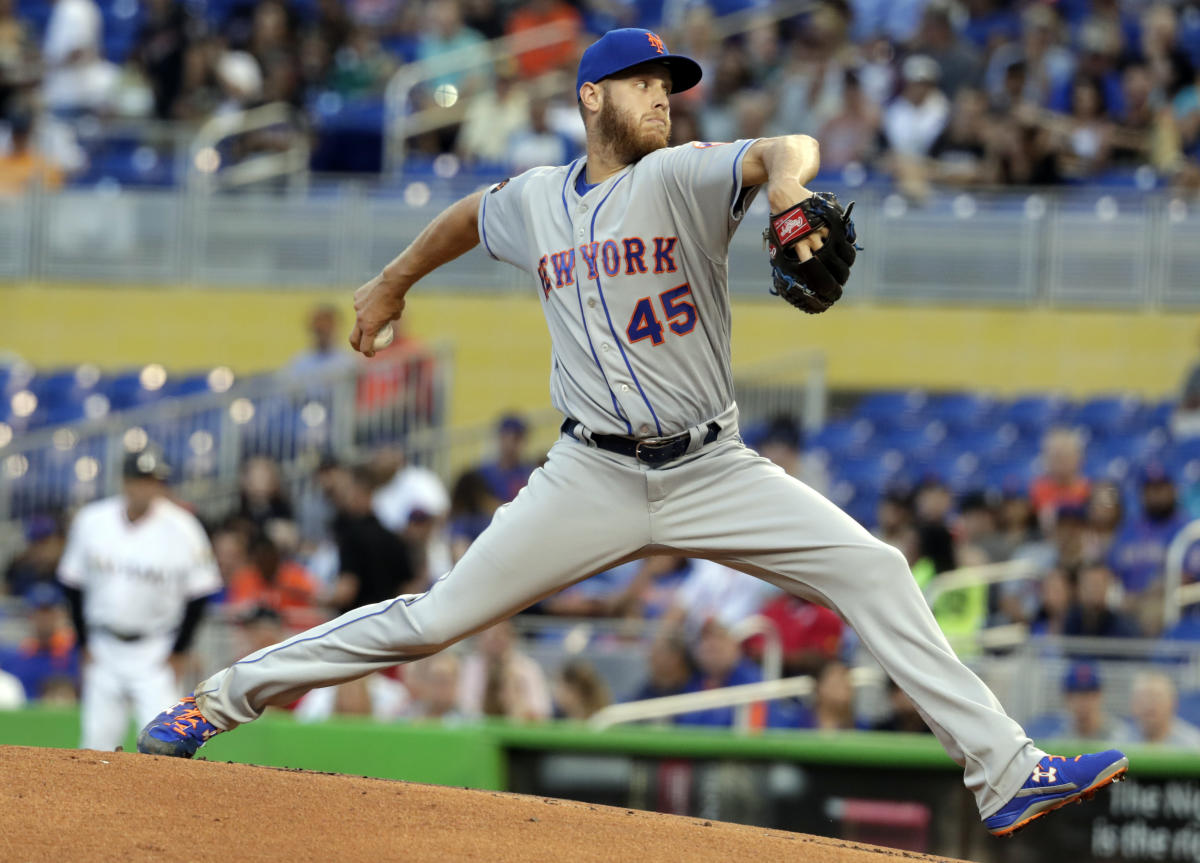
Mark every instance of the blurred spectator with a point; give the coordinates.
(314, 506)
(490, 124)
(809, 634)
(712, 592)
(498, 679)
(1046, 62)
(719, 663)
(913, 121)
(1056, 598)
(782, 441)
(851, 135)
(965, 151)
(469, 68)
(1016, 519)
(644, 588)
(1063, 482)
(579, 691)
(49, 652)
(1185, 421)
(374, 563)
(1105, 516)
(902, 714)
(669, 668)
(1092, 613)
(1169, 65)
(957, 59)
(1084, 716)
(932, 505)
(1139, 550)
(810, 85)
(262, 499)
(894, 516)
(472, 506)
(508, 473)
(270, 581)
(1154, 703)
(161, 45)
(407, 488)
(976, 528)
(360, 66)
(538, 144)
(1017, 601)
(329, 352)
(38, 561)
(23, 167)
(433, 685)
(1186, 109)
(259, 628)
(77, 78)
(18, 52)
(380, 696)
(550, 55)
(12, 694)
(230, 542)
(832, 707)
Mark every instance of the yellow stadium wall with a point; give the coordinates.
(502, 350)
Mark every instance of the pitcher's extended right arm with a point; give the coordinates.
(454, 232)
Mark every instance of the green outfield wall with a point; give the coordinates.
(473, 754)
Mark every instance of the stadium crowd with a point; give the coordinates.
(964, 92)
(364, 532)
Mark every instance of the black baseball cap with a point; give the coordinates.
(618, 50)
(147, 464)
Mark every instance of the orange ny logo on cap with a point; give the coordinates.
(656, 42)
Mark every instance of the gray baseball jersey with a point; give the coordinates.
(633, 281)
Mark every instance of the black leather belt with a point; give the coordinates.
(123, 636)
(657, 451)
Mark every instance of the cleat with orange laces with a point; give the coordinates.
(1055, 782)
(178, 731)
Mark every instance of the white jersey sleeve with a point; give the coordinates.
(203, 578)
(504, 226)
(704, 181)
(72, 566)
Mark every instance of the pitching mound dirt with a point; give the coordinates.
(65, 804)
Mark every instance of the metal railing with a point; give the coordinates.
(1066, 251)
(206, 166)
(291, 418)
(1176, 595)
(728, 696)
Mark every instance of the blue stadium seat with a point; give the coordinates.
(893, 408)
(1110, 415)
(843, 436)
(961, 411)
(1034, 414)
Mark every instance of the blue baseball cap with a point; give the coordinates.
(1082, 677)
(618, 50)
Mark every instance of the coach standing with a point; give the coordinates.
(137, 570)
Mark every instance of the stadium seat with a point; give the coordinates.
(1110, 415)
(1035, 414)
(961, 411)
(893, 408)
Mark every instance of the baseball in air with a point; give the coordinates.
(384, 337)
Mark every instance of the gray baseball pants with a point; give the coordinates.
(587, 510)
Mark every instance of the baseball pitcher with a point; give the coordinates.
(627, 250)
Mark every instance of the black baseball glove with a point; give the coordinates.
(816, 284)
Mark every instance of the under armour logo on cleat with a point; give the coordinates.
(1050, 774)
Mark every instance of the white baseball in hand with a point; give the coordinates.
(384, 337)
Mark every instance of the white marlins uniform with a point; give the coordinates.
(632, 277)
(136, 578)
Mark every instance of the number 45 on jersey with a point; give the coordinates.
(677, 311)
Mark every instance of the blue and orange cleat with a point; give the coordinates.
(1055, 782)
(178, 731)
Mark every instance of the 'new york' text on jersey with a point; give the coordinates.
(633, 280)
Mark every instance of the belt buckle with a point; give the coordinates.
(655, 450)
